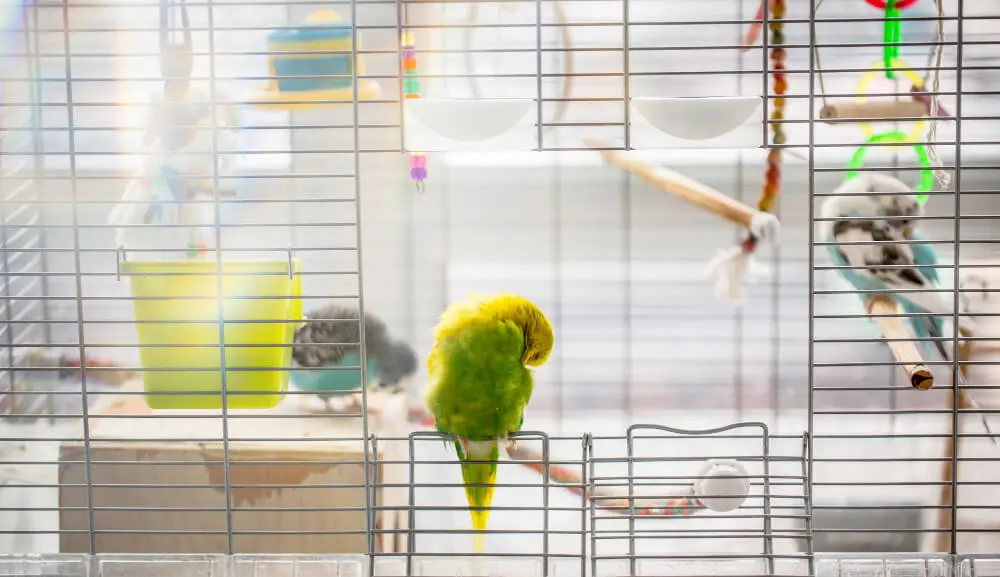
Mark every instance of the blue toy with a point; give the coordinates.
(311, 65)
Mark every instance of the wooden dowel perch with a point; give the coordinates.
(862, 111)
(905, 351)
(944, 496)
(925, 98)
(677, 184)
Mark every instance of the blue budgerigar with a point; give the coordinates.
(332, 333)
(900, 261)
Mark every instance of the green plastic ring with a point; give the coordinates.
(926, 175)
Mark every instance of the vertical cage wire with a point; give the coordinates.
(328, 157)
(22, 249)
(181, 482)
(912, 467)
(652, 514)
(539, 545)
(956, 369)
(98, 308)
(227, 482)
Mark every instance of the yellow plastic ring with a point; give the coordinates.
(861, 93)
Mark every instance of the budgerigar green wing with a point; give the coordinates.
(478, 396)
(480, 383)
(481, 388)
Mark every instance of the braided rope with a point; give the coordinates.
(779, 87)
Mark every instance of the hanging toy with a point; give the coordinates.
(311, 65)
(196, 250)
(732, 267)
(779, 86)
(890, 37)
(919, 106)
(411, 89)
(921, 95)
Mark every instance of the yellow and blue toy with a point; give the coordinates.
(311, 65)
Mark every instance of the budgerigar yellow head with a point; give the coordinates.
(538, 337)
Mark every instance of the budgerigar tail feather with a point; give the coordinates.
(933, 330)
(479, 479)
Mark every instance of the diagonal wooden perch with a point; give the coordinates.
(694, 192)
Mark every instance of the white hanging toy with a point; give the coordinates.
(181, 163)
(731, 268)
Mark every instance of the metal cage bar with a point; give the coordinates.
(860, 437)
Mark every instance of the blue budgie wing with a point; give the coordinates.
(890, 265)
(923, 254)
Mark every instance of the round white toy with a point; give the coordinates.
(722, 485)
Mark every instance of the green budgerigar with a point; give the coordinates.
(480, 382)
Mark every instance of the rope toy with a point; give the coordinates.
(721, 485)
(411, 89)
(730, 268)
(779, 85)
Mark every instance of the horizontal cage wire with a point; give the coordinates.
(237, 236)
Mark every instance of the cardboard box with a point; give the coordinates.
(298, 491)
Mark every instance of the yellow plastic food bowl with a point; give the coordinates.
(176, 304)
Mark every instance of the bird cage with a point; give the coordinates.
(235, 233)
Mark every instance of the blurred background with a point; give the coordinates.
(616, 265)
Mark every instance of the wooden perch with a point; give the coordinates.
(919, 94)
(905, 351)
(677, 184)
(879, 110)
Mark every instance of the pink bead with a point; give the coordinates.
(418, 161)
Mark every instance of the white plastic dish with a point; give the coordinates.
(697, 118)
(469, 120)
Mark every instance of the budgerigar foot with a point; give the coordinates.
(986, 425)
(510, 444)
(971, 401)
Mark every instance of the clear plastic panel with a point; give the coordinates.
(298, 566)
(161, 566)
(48, 565)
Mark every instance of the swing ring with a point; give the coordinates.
(865, 81)
(900, 4)
(926, 175)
